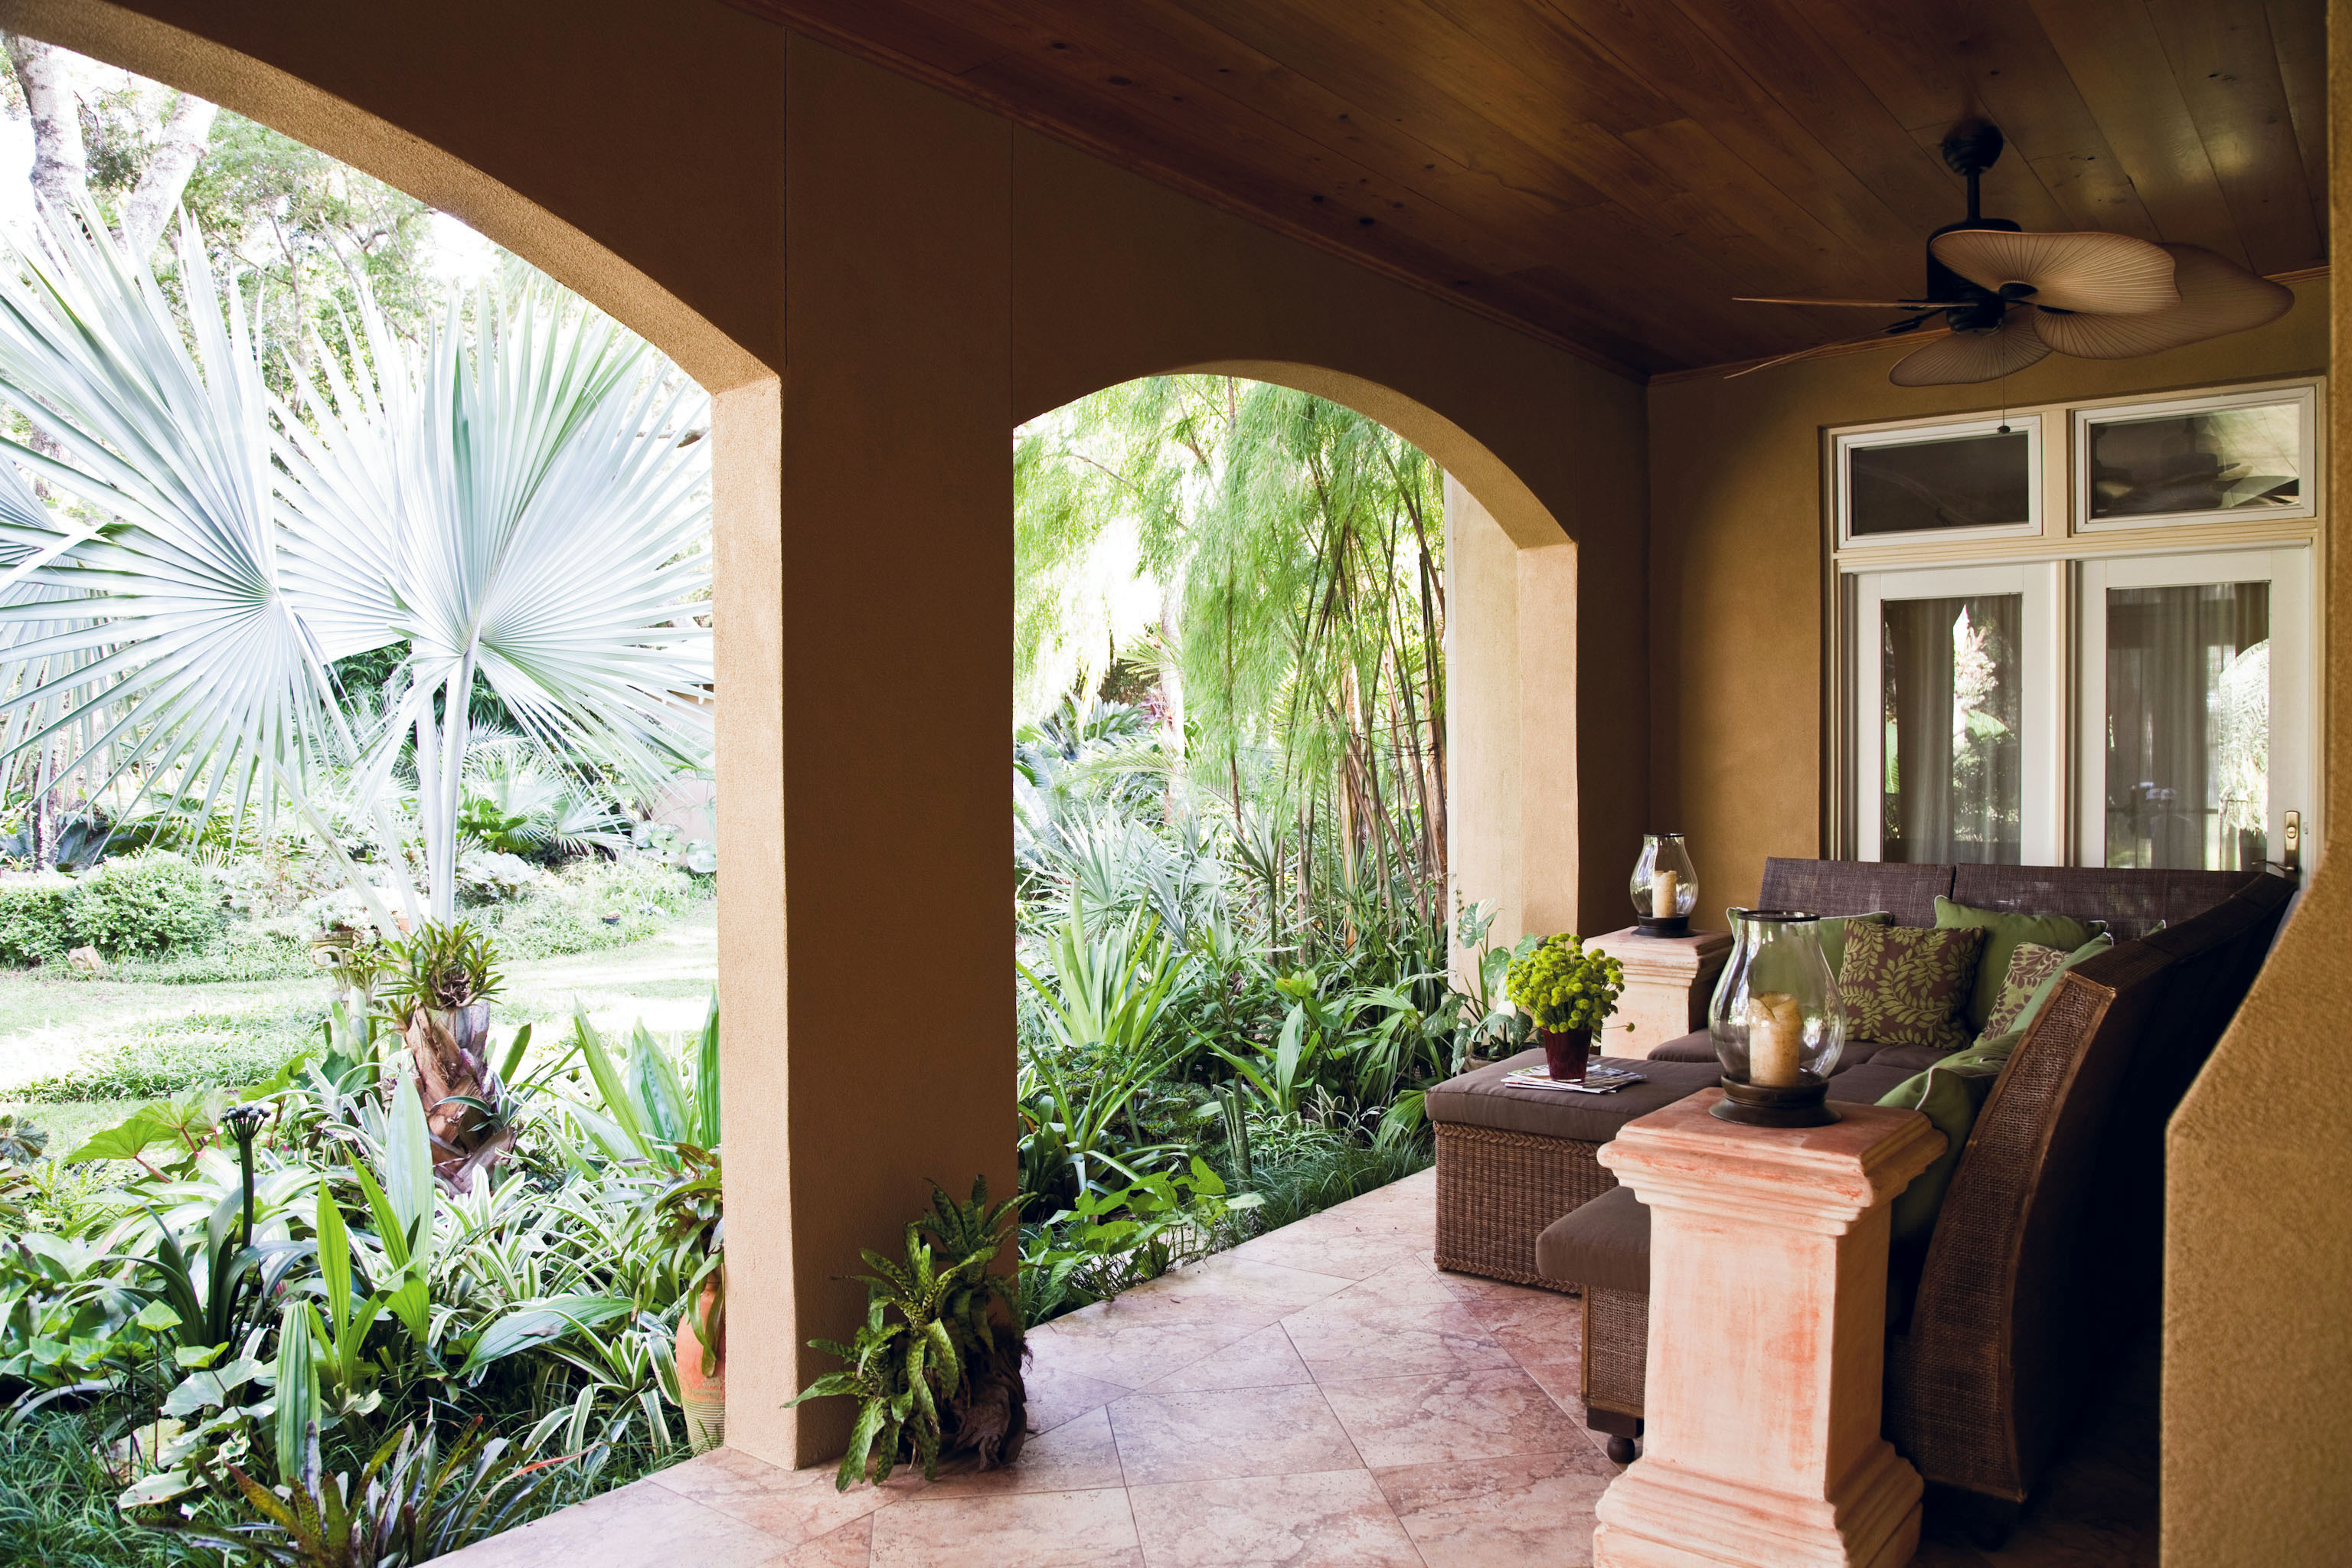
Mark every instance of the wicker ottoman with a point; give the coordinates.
(1511, 1160)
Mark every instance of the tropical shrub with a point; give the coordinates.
(32, 919)
(936, 1366)
(143, 906)
(366, 1350)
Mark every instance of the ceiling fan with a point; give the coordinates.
(2011, 297)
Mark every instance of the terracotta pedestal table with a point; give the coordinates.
(1668, 980)
(1767, 1324)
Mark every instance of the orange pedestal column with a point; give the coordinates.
(1768, 1322)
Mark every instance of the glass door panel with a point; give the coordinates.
(1954, 715)
(1948, 680)
(2197, 735)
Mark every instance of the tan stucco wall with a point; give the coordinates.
(881, 281)
(1736, 583)
(2258, 1236)
(1482, 712)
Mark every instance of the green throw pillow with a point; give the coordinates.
(1949, 1096)
(2003, 931)
(1990, 1054)
(1832, 930)
(1905, 985)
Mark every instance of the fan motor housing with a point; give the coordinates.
(1986, 308)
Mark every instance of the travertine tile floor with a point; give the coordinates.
(1321, 1396)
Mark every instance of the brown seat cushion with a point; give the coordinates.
(1863, 1085)
(1605, 1243)
(1697, 1047)
(1918, 1059)
(1481, 1099)
(1700, 1047)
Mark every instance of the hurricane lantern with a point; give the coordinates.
(1778, 1021)
(1664, 887)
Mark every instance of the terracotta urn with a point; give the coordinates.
(1566, 1051)
(703, 1394)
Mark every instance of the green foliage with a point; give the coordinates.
(1102, 1013)
(1111, 1241)
(174, 1057)
(134, 906)
(33, 920)
(645, 1106)
(934, 1325)
(409, 1503)
(442, 966)
(141, 906)
(57, 1497)
(1561, 986)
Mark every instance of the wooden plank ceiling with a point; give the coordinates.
(1608, 173)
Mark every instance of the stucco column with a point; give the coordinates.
(1768, 1331)
(1668, 983)
(1512, 818)
(865, 608)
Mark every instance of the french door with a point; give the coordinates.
(2195, 692)
(2189, 717)
(1956, 691)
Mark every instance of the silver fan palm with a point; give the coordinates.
(534, 509)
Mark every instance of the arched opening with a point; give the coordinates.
(862, 783)
(331, 1117)
(1256, 630)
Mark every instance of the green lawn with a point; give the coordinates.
(101, 1031)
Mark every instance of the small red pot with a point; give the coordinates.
(1566, 1051)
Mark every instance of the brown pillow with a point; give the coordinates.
(1908, 986)
(2030, 964)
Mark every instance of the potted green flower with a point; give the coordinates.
(1568, 992)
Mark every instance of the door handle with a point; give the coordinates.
(2291, 853)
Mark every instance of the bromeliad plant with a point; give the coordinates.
(936, 1367)
(437, 991)
(1562, 986)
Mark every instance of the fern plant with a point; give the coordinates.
(936, 1366)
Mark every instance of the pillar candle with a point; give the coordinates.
(1776, 1031)
(1666, 892)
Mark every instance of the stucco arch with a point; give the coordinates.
(873, 279)
(1513, 504)
(1513, 796)
(433, 174)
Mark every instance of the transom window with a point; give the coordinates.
(2102, 654)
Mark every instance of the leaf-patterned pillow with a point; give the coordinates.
(1909, 986)
(2030, 964)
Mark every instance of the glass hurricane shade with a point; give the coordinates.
(1778, 1018)
(1665, 885)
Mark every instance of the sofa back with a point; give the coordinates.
(2132, 903)
(2018, 1287)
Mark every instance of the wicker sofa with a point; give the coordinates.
(2048, 1246)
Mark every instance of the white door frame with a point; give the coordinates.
(2293, 718)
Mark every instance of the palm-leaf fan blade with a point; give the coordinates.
(1972, 356)
(2112, 274)
(2217, 296)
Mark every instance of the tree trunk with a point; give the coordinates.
(42, 821)
(186, 131)
(60, 169)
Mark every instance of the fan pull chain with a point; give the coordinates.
(2004, 404)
